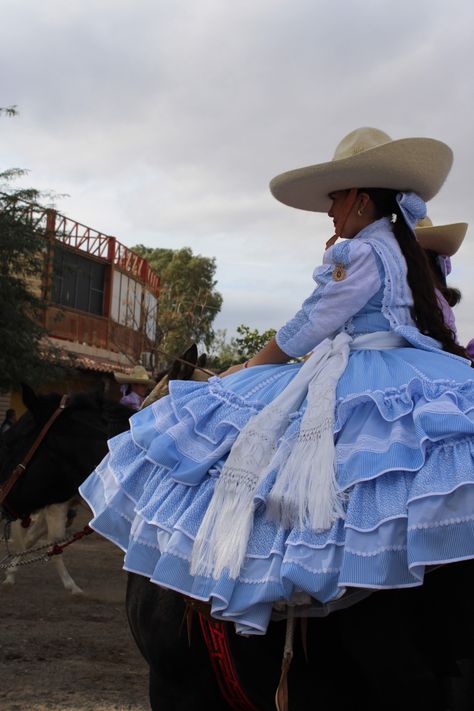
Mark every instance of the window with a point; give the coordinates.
(133, 305)
(78, 282)
(151, 314)
(127, 297)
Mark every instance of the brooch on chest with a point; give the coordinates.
(339, 272)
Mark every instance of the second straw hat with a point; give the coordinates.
(137, 375)
(442, 239)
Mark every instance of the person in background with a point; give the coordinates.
(135, 386)
(9, 421)
(441, 243)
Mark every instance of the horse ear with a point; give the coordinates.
(29, 397)
(191, 354)
(182, 371)
(174, 371)
(202, 360)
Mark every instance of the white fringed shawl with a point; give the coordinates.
(305, 492)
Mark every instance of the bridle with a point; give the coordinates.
(7, 485)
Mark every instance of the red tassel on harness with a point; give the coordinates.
(215, 637)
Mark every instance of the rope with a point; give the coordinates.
(58, 548)
(16, 559)
(281, 696)
(17, 472)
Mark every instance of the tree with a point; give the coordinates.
(188, 301)
(223, 353)
(238, 349)
(250, 341)
(24, 354)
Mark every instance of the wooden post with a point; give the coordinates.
(48, 265)
(108, 285)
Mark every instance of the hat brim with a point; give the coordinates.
(124, 379)
(442, 239)
(418, 164)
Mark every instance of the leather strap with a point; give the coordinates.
(7, 485)
(217, 643)
(347, 206)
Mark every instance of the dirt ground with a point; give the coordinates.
(70, 653)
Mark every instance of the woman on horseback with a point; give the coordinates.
(288, 483)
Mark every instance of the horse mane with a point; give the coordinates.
(86, 400)
(114, 414)
(95, 400)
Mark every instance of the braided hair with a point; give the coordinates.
(426, 311)
(452, 295)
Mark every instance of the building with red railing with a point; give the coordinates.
(100, 298)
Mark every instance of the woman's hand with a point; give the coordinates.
(232, 369)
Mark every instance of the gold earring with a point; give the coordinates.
(360, 211)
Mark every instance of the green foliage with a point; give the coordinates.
(24, 356)
(250, 341)
(238, 349)
(223, 353)
(188, 302)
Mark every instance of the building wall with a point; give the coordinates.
(93, 271)
(126, 321)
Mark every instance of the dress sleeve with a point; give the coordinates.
(347, 280)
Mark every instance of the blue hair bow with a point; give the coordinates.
(412, 207)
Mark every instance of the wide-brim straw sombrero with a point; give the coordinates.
(442, 239)
(367, 158)
(137, 376)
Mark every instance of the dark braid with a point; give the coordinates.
(426, 311)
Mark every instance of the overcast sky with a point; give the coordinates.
(164, 120)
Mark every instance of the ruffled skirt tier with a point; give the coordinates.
(405, 465)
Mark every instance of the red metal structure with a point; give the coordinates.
(100, 297)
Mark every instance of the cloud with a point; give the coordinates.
(165, 120)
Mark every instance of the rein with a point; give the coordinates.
(7, 485)
(217, 644)
(186, 362)
(45, 552)
(216, 639)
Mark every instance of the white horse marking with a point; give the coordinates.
(51, 523)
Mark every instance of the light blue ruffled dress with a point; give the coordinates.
(404, 444)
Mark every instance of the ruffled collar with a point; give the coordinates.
(378, 229)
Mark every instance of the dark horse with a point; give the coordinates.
(399, 649)
(402, 649)
(409, 650)
(49, 484)
(70, 450)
